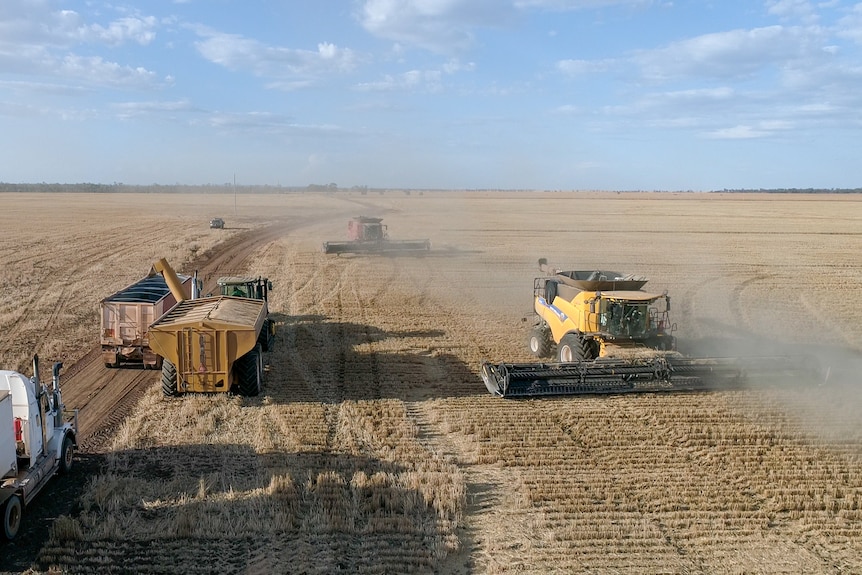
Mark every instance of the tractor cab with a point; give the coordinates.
(245, 287)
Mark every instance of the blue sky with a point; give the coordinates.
(511, 94)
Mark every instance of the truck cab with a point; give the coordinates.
(37, 441)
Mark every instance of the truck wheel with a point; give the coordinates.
(13, 511)
(169, 379)
(115, 363)
(249, 372)
(573, 348)
(67, 454)
(540, 341)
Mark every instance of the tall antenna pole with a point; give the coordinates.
(234, 195)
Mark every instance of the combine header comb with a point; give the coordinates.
(612, 376)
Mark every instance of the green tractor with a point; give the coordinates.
(251, 288)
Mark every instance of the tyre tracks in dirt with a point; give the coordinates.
(354, 361)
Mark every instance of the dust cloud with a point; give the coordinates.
(815, 387)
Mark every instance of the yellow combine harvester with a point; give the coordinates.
(611, 336)
(587, 313)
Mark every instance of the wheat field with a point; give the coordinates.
(375, 447)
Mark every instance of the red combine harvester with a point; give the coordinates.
(369, 235)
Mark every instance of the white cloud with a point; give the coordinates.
(414, 80)
(732, 54)
(565, 5)
(154, 108)
(95, 70)
(440, 26)
(567, 109)
(38, 41)
(792, 9)
(238, 53)
(454, 65)
(67, 28)
(268, 123)
(135, 29)
(737, 133)
(850, 26)
(582, 67)
(761, 129)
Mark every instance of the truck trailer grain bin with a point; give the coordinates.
(127, 314)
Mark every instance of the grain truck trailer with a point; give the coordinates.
(127, 314)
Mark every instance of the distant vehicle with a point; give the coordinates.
(217, 223)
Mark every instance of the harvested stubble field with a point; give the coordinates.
(375, 447)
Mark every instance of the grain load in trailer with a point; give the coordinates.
(126, 315)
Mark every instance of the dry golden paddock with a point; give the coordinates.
(375, 447)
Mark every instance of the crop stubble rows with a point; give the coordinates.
(376, 449)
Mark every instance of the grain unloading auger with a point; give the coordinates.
(611, 336)
(640, 375)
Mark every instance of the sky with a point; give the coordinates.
(433, 94)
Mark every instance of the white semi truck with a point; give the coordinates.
(37, 441)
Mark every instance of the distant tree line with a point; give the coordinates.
(230, 188)
(796, 191)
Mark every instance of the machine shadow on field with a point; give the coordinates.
(324, 361)
(258, 511)
(56, 499)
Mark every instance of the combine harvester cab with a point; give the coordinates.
(213, 344)
(370, 236)
(612, 337)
